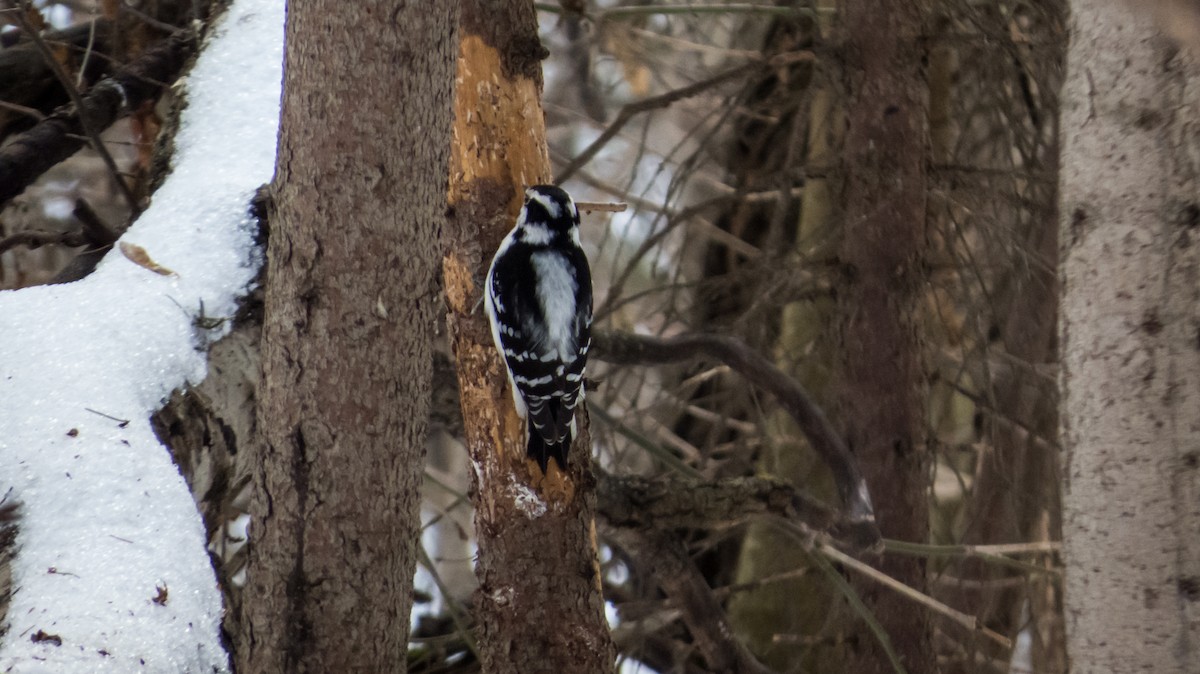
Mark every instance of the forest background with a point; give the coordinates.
(897, 336)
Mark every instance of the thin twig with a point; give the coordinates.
(87, 55)
(669, 459)
(843, 586)
(1031, 548)
(597, 206)
(31, 153)
(685, 217)
(631, 110)
(77, 101)
(624, 348)
(146, 18)
(39, 239)
(731, 8)
(120, 422)
(24, 110)
(743, 427)
(968, 621)
(456, 615)
(999, 555)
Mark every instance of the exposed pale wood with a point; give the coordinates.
(539, 604)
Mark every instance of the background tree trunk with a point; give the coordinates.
(539, 604)
(350, 308)
(1131, 344)
(881, 387)
(807, 117)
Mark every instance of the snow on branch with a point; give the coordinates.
(110, 570)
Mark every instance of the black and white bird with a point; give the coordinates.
(539, 301)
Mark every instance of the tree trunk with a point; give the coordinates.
(350, 307)
(1131, 344)
(806, 118)
(539, 604)
(881, 396)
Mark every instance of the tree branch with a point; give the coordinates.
(39, 239)
(970, 622)
(631, 110)
(663, 555)
(84, 122)
(633, 502)
(28, 87)
(628, 349)
(32, 153)
(95, 231)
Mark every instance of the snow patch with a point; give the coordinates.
(111, 570)
(527, 501)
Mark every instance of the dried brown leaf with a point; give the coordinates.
(140, 257)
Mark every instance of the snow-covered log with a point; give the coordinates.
(110, 570)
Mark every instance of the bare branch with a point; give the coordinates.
(968, 621)
(629, 349)
(69, 86)
(28, 83)
(666, 99)
(23, 110)
(590, 206)
(676, 574)
(32, 153)
(98, 234)
(677, 502)
(39, 239)
(145, 18)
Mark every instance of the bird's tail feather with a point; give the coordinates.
(541, 451)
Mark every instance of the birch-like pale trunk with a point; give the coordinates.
(1130, 338)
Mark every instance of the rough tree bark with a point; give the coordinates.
(1131, 344)
(539, 604)
(351, 294)
(880, 387)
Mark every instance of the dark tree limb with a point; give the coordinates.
(31, 113)
(628, 349)
(95, 231)
(27, 85)
(85, 122)
(39, 239)
(664, 557)
(32, 153)
(99, 240)
(641, 503)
